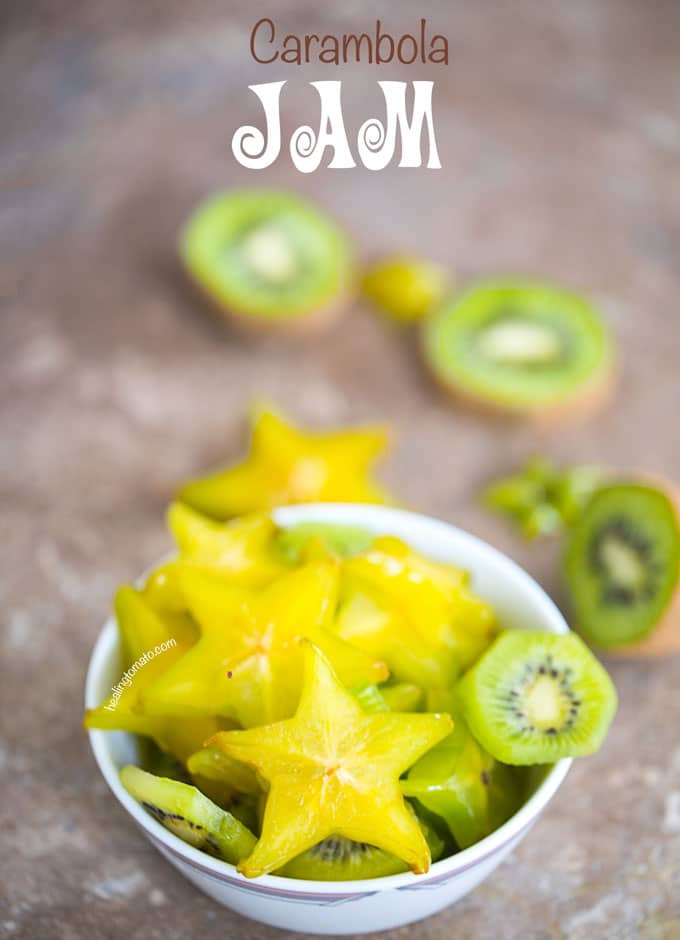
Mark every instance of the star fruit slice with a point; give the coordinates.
(287, 465)
(248, 663)
(367, 620)
(241, 551)
(143, 631)
(430, 596)
(333, 770)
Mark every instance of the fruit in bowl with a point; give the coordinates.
(344, 749)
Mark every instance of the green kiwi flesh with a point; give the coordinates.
(342, 541)
(622, 563)
(190, 815)
(516, 344)
(341, 859)
(265, 255)
(534, 698)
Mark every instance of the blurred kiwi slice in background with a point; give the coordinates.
(269, 260)
(622, 566)
(520, 348)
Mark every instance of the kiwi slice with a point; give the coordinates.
(189, 814)
(341, 541)
(268, 259)
(521, 348)
(623, 565)
(341, 859)
(533, 698)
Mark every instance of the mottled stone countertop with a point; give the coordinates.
(559, 130)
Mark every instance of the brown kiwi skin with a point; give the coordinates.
(664, 639)
(307, 323)
(582, 404)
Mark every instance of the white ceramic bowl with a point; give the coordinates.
(380, 903)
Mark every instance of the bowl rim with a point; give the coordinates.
(380, 519)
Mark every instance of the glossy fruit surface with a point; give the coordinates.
(143, 632)
(333, 770)
(247, 664)
(463, 784)
(371, 623)
(189, 814)
(430, 598)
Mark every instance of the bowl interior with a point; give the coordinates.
(518, 600)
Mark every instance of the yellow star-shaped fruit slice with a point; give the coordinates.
(247, 664)
(370, 622)
(431, 598)
(151, 643)
(241, 551)
(333, 770)
(287, 465)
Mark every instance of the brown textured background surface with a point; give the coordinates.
(559, 130)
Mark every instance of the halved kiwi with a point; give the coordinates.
(535, 697)
(187, 813)
(521, 348)
(623, 569)
(268, 259)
